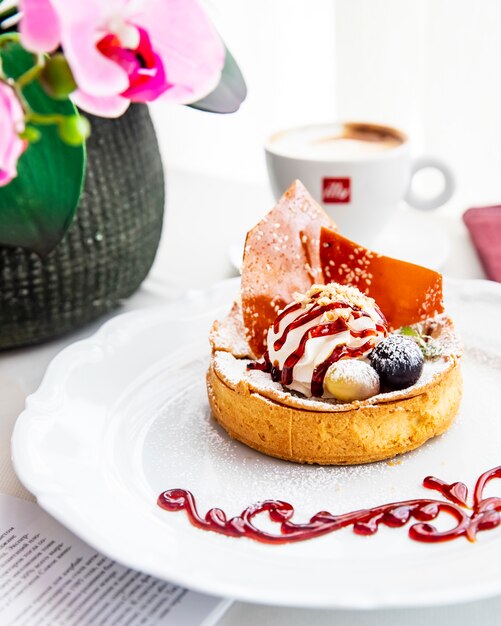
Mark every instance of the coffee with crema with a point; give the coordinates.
(345, 141)
(359, 172)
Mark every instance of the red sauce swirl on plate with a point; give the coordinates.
(468, 520)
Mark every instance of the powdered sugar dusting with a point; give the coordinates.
(229, 335)
(184, 447)
(281, 257)
(398, 351)
(355, 371)
(353, 378)
(234, 370)
(187, 448)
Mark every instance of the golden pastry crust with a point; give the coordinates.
(268, 418)
(357, 435)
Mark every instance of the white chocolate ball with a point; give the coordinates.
(351, 379)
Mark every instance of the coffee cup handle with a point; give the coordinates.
(418, 201)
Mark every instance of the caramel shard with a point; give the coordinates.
(405, 293)
(281, 257)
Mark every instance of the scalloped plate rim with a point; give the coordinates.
(54, 503)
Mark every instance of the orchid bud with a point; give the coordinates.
(30, 134)
(57, 78)
(74, 129)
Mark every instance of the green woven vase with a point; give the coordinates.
(109, 248)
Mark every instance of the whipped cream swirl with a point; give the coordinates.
(328, 323)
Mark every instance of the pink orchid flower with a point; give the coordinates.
(128, 50)
(11, 123)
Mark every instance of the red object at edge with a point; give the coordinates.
(484, 226)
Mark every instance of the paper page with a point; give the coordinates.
(49, 576)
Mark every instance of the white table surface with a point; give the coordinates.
(204, 217)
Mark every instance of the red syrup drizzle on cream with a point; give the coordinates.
(285, 375)
(484, 514)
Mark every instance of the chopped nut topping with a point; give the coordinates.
(332, 292)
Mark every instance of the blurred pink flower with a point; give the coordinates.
(130, 50)
(11, 123)
(40, 28)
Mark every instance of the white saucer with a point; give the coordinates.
(408, 237)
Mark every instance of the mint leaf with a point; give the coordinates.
(430, 348)
(408, 331)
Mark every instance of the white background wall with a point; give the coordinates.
(432, 67)
(285, 49)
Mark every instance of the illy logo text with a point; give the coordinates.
(336, 190)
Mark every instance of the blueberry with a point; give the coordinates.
(398, 361)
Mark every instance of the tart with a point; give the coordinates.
(333, 354)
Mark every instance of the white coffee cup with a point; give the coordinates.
(359, 172)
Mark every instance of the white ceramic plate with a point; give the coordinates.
(408, 237)
(123, 416)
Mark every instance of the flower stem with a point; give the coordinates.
(42, 119)
(6, 38)
(33, 73)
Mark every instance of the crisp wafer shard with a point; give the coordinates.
(405, 293)
(281, 258)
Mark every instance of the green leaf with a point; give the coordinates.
(230, 92)
(430, 348)
(38, 206)
(408, 331)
